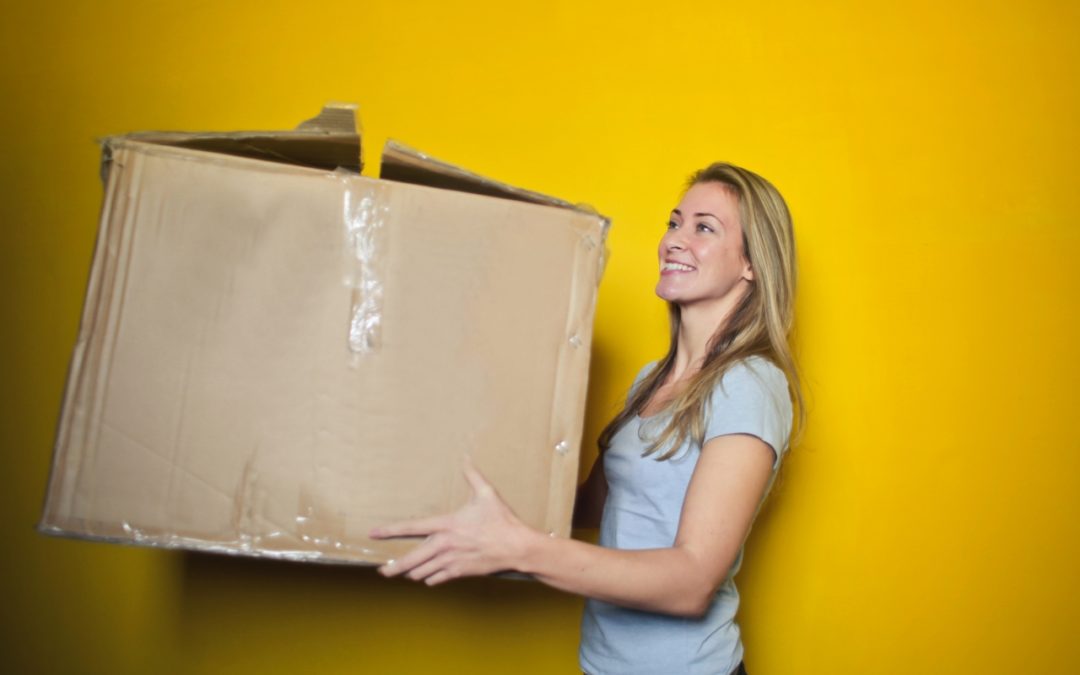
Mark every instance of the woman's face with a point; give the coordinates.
(701, 254)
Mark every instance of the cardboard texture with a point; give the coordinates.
(277, 354)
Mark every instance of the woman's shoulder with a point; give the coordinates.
(754, 378)
(752, 370)
(757, 368)
(752, 398)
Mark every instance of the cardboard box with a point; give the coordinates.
(277, 354)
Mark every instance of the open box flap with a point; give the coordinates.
(407, 165)
(328, 141)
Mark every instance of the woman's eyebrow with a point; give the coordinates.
(677, 212)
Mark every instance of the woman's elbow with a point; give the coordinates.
(693, 602)
(696, 588)
(699, 607)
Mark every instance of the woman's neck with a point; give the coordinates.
(697, 326)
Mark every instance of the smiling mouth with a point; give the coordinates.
(675, 267)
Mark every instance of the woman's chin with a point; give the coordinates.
(664, 291)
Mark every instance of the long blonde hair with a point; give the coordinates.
(760, 325)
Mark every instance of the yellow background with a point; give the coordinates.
(928, 523)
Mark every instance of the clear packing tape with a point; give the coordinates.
(273, 545)
(364, 218)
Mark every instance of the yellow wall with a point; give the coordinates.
(928, 524)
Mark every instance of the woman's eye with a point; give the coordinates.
(702, 227)
(672, 225)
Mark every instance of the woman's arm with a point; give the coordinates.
(589, 505)
(485, 536)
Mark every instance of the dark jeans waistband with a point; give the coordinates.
(739, 670)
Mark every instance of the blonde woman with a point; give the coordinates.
(684, 467)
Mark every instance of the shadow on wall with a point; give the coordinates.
(207, 574)
(239, 596)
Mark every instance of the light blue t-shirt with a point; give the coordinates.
(644, 502)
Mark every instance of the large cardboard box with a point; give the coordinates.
(277, 354)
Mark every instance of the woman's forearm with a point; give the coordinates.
(666, 580)
(484, 536)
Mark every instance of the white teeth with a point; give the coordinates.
(676, 267)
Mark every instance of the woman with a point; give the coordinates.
(686, 464)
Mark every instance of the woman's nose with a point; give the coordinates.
(673, 241)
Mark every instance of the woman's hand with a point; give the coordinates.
(482, 537)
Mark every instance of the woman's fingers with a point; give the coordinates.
(421, 527)
(414, 558)
(467, 541)
(439, 577)
(433, 563)
(476, 479)
(424, 571)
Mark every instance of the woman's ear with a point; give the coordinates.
(748, 271)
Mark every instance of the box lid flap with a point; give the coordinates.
(407, 165)
(330, 140)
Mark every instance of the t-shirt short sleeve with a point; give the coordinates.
(752, 398)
